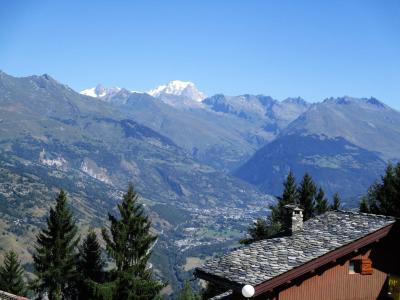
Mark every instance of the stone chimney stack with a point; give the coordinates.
(293, 218)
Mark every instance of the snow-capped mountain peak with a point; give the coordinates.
(100, 91)
(185, 89)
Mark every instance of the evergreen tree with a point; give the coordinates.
(11, 274)
(91, 263)
(186, 293)
(263, 229)
(383, 197)
(55, 253)
(90, 266)
(306, 194)
(335, 202)
(321, 203)
(129, 243)
(289, 196)
(259, 231)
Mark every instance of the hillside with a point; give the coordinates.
(268, 113)
(178, 155)
(52, 137)
(46, 122)
(367, 123)
(216, 139)
(344, 143)
(222, 138)
(335, 164)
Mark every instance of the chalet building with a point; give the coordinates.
(337, 255)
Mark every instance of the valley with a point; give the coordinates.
(205, 167)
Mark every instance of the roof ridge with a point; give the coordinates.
(364, 214)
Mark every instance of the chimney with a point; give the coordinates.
(293, 218)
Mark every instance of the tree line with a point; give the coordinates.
(383, 197)
(64, 268)
(307, 195)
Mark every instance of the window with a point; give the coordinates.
(352, 267)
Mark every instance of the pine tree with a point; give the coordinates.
(289, 196)
(55, 253)
(11, 275)
(321, 203)
(266, 228)
(335, 202)
(306, 194)
(259, 231)
(90, 261)
(129, 243)
(186, 293)
(90, 266)
(383, 197)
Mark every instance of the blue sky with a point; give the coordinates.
(313, 49)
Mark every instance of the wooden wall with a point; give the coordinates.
(333, 281)
(337, 283)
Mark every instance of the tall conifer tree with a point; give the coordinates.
(306, 194)
(266, 228)
(129, 242)
(11, 275)
(91, 263)
(260, 230)
(90, 266)
(289, 196)
(55, 253)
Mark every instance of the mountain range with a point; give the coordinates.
(344, 143)
(220, 131)
(209, 163)
(259, 139)
(52, 137)
(48, 123)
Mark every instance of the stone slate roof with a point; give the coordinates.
(266, 259)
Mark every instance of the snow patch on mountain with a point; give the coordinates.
(184, 89)
(100, 91)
